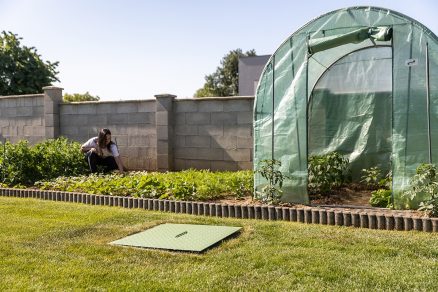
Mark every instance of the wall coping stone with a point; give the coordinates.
(108, 101)
(360, 218)
(165, 95)
(147, 99)
(52, 88)
(20, 96)
(214, 98)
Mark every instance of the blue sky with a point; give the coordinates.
(132, 49)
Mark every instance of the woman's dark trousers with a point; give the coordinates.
(93, 160)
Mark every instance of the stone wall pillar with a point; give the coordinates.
(52, 99)
(164, 127)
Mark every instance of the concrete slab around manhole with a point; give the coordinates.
(184, 237)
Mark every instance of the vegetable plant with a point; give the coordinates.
(424, 188)
(371, 177)
(270, 193)
(374, 179)
(326, 172)
(381, 198)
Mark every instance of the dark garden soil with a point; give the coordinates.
(351, 195)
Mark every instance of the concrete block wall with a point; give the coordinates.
(213, 133)
(22, 117)
(132, 124)
(161, 134)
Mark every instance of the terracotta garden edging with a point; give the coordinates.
(361, 218)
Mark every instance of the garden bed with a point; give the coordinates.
(235, 188)
(375, 218)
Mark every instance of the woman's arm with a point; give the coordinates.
(86, 149)
(117, 158)
(119, 164)
(89, 145)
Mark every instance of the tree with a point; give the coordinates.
(225, 81)
(79, 97)
(22, 71)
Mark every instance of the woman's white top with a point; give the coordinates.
(92, 143)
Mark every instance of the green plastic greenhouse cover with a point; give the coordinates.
(362, 81)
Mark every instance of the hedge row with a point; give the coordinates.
(24, 164)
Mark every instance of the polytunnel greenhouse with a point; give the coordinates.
(362, 81)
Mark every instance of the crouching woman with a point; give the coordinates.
(102, 151)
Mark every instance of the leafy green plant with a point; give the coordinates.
(386, 182)
(59, 157)
(17, 164)
(326, 172)
(374, 179)
(24, 164)
(423, 188)
(430, 206)
(190, 184)
(371, 177)
(270, 193)
(381, 198)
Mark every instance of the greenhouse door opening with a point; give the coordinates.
(350, 110)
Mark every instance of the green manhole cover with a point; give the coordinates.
(185, 237)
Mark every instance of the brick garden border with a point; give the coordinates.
(362, 218)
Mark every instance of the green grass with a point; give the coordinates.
(53, 245)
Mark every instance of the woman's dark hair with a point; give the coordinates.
(101, 138)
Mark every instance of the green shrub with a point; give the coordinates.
(326, 172)
(23, 164)
(78, 97)
(59, 157)
(184, 185)
(381, 198)
(17, 164)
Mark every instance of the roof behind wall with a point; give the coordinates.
(250, 69)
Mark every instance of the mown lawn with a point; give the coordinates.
(53, 245)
